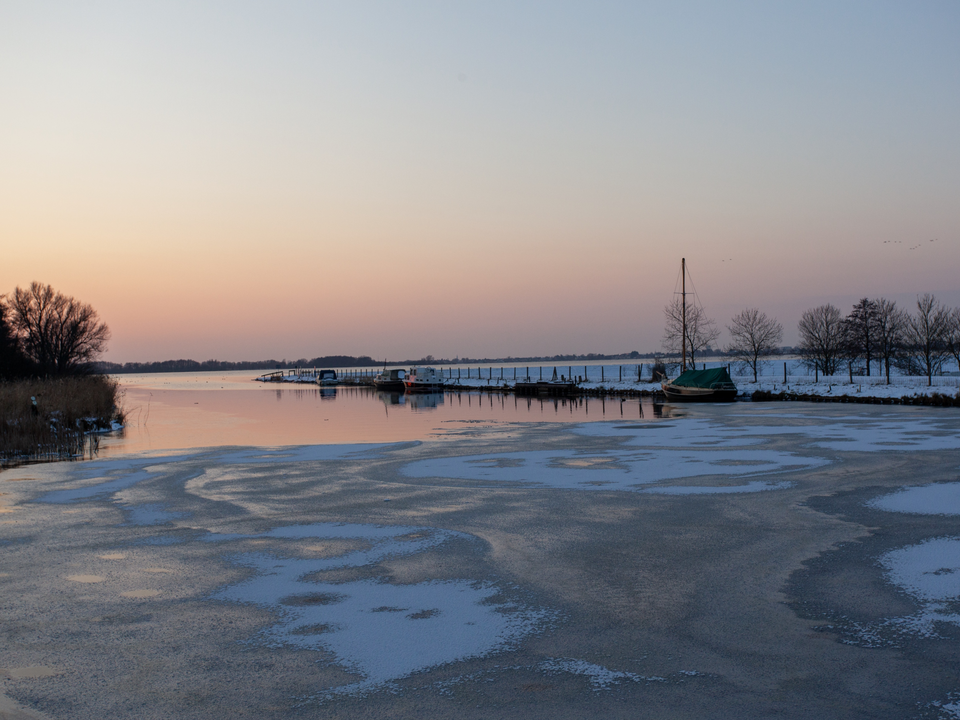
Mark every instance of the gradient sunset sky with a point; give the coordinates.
(243, 181)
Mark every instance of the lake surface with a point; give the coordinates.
(190, 410)
(304, 559)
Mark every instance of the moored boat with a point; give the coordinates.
(326, 377)
(712, 385)
(391, 379)
(423, 379)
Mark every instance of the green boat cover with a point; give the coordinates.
(703, 378)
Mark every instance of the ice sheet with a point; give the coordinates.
(609, 470)
(376, 629)
(939, 499)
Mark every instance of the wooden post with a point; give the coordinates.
(621, 376)
(585, 374)
(639, 372)
(602, 379)
(541, 372)
(816, 373)
(784, 373)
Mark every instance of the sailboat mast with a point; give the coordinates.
(683, 315)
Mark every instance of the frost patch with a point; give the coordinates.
(860, 434)
(615, 470)
(930, 572)
(940, 499)
(376, 629)
(601, 678)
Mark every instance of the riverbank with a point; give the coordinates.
(943, 391)
(56, 418)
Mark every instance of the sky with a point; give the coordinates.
(243, 181)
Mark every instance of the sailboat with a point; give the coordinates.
(713, 385)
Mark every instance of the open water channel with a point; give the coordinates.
(190, 410)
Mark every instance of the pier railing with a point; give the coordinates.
(624, 376)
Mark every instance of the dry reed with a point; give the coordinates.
(68, 413)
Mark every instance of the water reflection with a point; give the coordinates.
(161, 419)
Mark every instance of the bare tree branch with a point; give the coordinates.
(891, 324)
(701, 330)
(927, 337)
(753, 336)
(58, 334)
(821, 338)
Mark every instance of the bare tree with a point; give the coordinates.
(821, 338)
(58, 334)
(927, 338)
(860, 333)
(700, 330)
(953, 339)
(12, 362)
(891, 323)
(754, 336)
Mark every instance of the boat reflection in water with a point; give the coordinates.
(417, 402)
(217, 409)
(425, 401)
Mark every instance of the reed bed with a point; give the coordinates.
(64, 423)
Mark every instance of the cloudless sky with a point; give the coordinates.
(242, 181)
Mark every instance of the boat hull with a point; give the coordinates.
(677, 393)
(414, 386)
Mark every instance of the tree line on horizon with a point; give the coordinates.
(875, 334)
(44, 333)
(336, 361)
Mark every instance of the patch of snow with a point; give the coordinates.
(939, 499)
(857, 433)
(930, 572)
(378, 629)
(569, 469)
(116, 474)
(601, 678)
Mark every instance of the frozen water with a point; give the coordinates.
(750, 487)
(930, 572)
(380, 630)
(858, 433)
(939, 499)
(610, 471)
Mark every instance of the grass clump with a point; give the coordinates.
(63, 421)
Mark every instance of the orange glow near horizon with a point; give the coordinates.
(389, 186)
